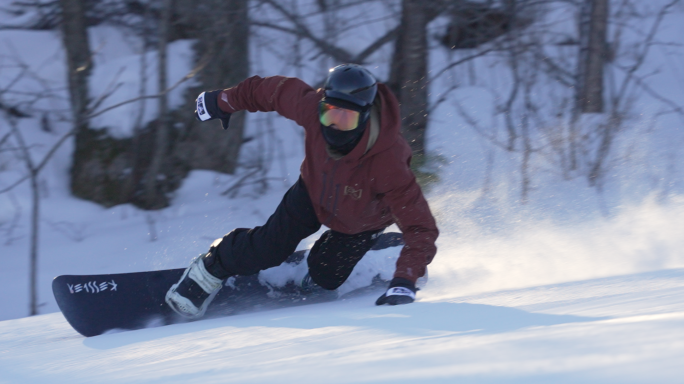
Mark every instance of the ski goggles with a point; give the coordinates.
(344, 119)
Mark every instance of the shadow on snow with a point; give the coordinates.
(418, 319)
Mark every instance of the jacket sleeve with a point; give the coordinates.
(289, 96)
(412, 215)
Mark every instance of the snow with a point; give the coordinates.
(576, 286)
(624, 329)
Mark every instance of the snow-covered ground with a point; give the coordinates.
(624, 329)
(573, 287)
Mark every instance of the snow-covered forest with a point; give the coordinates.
(547, 137)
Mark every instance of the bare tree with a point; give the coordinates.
(409, 75)
(593, 44)
(17, 103)
(161, 154)
(472, 25)
(33, 169)
(79, 67)
(161, 143)
(223, 36)
(23, 149)
(575, 78)
(622, 96)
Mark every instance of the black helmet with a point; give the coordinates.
(352, 83)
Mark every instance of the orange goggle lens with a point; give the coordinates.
(343, 119)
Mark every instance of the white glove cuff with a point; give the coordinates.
(201, 109)
(400, 291)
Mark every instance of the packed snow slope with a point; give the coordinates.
(575, 286)
(625, 329)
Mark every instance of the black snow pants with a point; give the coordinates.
(331, 260)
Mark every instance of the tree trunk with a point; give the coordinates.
(154, 195)
(35, 216)
(408, 74)
(79, 63)
(79, 66)
(592, 56)
(98, 161)
(35, 227)
(225, 38)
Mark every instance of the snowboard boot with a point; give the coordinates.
(191, 296)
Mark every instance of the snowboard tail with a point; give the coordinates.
(94, 304)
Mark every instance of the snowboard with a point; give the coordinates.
(95, 304)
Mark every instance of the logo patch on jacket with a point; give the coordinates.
(354, 193)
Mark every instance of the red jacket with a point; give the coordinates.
(368, 189)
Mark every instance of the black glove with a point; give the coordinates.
(207, 108)
(401, 291)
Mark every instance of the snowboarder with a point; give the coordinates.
(355, 179)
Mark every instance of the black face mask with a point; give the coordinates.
(343, 141)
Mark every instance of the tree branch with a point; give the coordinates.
(459, 62)
(203, 63)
